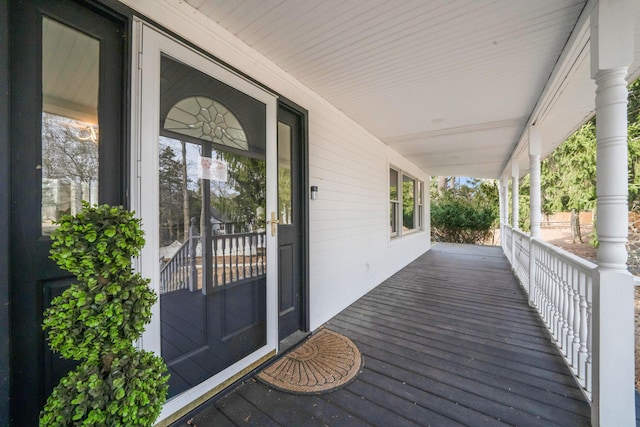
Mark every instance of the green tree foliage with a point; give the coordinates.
(246, 176)
(180, 196)
(633, 117)
(284, 194)
(568, 175)
(408, 202)
(466, 213)
(171, 187)
(524, 206)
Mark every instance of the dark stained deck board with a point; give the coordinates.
(472, 379)
(455, 360)
(449, 340)
(485, 348)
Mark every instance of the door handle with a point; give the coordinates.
(274, 223)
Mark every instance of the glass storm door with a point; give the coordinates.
(207, 220)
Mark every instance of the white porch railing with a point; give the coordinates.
(507, 241)
(521, 259)
(560, 288)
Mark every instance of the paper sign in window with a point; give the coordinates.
(212, 169)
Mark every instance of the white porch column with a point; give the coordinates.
(500, 203)
(535, 204)
(515, 176)
(613, 294)
(535, 200)
(504, 185)
(503, 193)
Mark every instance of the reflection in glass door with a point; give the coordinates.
(69, 121)
(212, 242)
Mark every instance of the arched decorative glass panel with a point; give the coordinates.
(206, 119)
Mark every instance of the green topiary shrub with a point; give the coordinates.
(96, 321)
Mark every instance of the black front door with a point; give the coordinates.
(67, 140)
(291, 216)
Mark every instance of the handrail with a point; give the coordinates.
(507, 233)
(234, 257)
(560, 287)
(521, 259)
(175, 274)
(238, 256)
(571, 258)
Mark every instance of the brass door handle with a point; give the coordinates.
(274, 223)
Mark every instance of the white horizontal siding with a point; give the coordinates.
(349, 224)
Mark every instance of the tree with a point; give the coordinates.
(70, 156)
(568, 176)
(633, 117)
(171, 192)
(466, 213)
(247, 185)
(185, 192)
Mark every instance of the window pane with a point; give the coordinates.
(408, 203)
(284, 174)
(70, 77)
(206, 119)
(393, 216)
(420, 204)
(393, 184)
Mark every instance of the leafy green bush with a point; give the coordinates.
(456, 218)
(96, 321)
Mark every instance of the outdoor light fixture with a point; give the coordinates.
(314, 192)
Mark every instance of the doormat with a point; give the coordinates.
(324, 362)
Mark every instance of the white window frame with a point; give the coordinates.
(396, 204)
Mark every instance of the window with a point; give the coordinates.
(408, 203)
(70, 131)
(206, 119)
(394, 201)
(420, 205)
(406, 206)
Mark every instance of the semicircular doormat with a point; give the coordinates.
(324, 362)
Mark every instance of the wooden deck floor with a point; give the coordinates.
(448, 340)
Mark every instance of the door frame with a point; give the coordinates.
(303, 160)
(149, 42)
(5, 209)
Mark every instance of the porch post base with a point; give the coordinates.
(613, 350)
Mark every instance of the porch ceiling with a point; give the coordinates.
(451, 85)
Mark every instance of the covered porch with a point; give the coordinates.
(449, 340)
(478, 89)
(387, 94)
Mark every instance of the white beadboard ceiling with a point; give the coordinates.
(70, 72)
(450, 84)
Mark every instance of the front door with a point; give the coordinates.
(291, 195)
(207, 183)
(67, 145)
